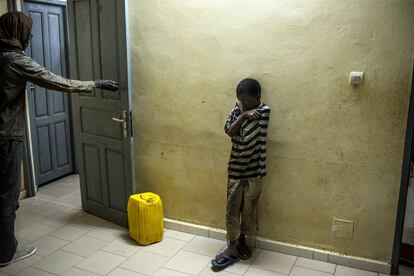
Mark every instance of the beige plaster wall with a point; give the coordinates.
(3, 6)
(333, 151)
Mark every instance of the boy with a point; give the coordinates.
(247, 127)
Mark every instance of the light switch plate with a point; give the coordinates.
(356, 78)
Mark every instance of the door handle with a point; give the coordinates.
(123, 121)
(118, 120)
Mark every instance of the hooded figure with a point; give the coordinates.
(15, 32)
(16, 69)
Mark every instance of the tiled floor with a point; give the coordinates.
(71, 242)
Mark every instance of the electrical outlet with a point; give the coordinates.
(342, 228)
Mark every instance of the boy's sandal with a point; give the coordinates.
(244, 251)
(223, 260)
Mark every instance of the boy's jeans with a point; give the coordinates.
(241, 214)
(9, 195)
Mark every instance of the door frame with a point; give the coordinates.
(405, 174)
(28, 162)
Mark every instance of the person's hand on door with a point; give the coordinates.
(107, 84)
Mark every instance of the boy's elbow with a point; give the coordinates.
(230, 134)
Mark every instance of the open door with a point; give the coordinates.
(102, 121)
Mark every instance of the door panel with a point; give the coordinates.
(49, 110)
(103, 145)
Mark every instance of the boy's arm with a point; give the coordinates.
(233, 128)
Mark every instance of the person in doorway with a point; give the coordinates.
(247, 127)
(15, 70)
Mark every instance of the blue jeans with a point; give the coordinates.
(9, 195)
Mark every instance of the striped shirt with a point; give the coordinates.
(248, 153)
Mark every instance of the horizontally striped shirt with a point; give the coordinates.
(248, 153)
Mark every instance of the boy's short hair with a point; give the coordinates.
(249, 86)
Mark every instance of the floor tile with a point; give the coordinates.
(45, 197)
(58, 262)
(25, 220)
(144, 262)
(178, 235)
(69, 232)
(300, 271)
(101, 262)
(34, 201)
(274, 261)
(107, 232)
(22, 242)
(74, 211)
(168, 272)
(348, 271)
(47, 245)
(167, 247)
(16, 267)
(123, 272)
(77, 272)
(208, 272)
(30, 271)
(79, 247)
(188, 262)
(46, 209)
(69, 199)
(25, 206)
(123, 246)
(35, 231)
(205, 246)
(77, 192)
(89, 222)
(254, 271)
(315, 265)
(58, 220)
(56, 192)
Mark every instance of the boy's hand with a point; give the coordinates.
(253, 114)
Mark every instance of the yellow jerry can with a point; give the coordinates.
(145, 218)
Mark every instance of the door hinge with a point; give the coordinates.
(130, 124)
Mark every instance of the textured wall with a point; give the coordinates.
(3, 6)
(334, 150)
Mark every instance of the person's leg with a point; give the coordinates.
(234, 197)
(9, 192)
(251, 195)
(234, 201)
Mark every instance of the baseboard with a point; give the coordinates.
(286, 248)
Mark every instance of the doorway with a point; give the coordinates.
(101, 121)
(49, 111)
(404, 251)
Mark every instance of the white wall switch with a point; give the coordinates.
(356, 78)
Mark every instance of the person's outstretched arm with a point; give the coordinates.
(26, 67)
